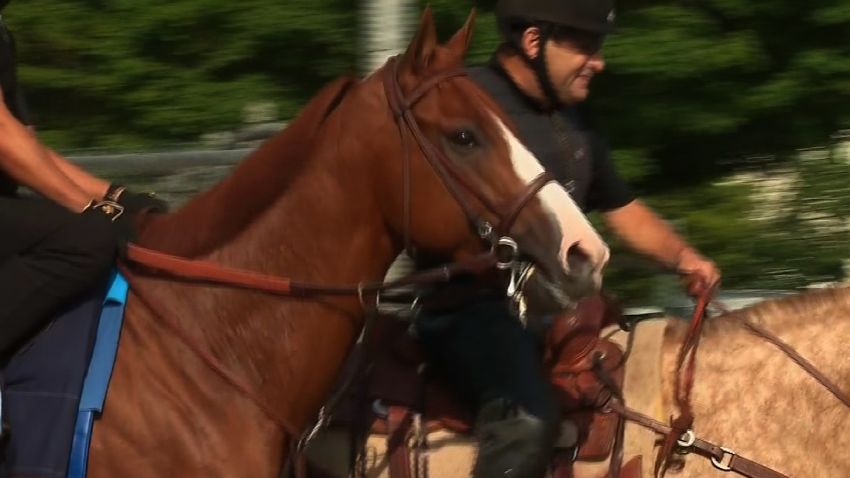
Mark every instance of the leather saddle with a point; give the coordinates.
(398, 389)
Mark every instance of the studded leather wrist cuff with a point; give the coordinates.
(111, 209)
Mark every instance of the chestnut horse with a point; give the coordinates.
(331, 200)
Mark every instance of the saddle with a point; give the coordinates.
(402, 401)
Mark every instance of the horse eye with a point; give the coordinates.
(464, 138)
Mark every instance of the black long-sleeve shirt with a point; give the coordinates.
(563, 141)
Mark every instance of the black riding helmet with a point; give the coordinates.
(596, 16)
(585, 21)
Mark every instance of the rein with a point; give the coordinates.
(200, 271)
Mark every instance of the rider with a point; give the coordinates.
(540, 75)
(54, 250)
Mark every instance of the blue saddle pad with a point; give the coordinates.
(99, 373)
(44, 383)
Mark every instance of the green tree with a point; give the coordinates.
(119, 73)
(695, 87)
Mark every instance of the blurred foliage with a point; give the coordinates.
(694, 91)
(124, 73)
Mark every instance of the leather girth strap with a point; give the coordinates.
(399, 421)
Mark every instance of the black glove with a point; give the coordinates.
(134, 203)
(122, 223)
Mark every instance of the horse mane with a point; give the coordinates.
(238, 199)
(786, 313)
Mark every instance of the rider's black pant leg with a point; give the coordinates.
(48, 257)
(496, 364)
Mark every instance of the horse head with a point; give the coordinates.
(455, 179)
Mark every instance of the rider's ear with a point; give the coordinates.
(420, 52)
(459, 44)
(531, 42)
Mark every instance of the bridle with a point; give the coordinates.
(452, 178)
(502, 254)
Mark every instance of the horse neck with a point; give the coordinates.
(750, 396)
(326, 229)
(815, 324)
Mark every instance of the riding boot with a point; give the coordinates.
(511, 442)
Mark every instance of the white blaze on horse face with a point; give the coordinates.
(573, 224)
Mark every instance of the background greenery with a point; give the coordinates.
(696, 92)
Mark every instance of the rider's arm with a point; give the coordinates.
(630, 219)
(29, 163)
(93, 186)
(645, 232)
(641, 229)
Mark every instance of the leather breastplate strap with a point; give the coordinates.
(722, 458)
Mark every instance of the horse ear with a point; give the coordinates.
(421, 50)
(460, 41)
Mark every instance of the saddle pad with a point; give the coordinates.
(99, 374)
(451, 455)
(43, 386)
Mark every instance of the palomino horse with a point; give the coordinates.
(409, 157)
(752, 398)
(748, 396)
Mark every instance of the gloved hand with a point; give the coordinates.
(121, 222)
(134, 203)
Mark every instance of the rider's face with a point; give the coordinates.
(573, 59)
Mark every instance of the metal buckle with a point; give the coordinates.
(111, 209)
(725, 461)
(512, 249)
(687, 439)
(485, 230)
(520, 274)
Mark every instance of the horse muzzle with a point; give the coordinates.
(541, 288)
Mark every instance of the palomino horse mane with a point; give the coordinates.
(252, 187)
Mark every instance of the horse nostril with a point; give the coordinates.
(577, 258)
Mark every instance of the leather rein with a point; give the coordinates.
(503, 253)
(679, 435)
